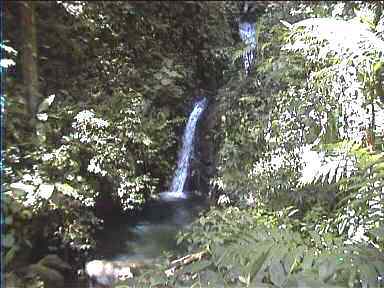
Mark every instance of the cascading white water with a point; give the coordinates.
(247, 32)
(182, 170)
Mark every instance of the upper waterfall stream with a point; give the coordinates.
(247, 33)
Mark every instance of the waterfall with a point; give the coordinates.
(247, 32)
(183, 162)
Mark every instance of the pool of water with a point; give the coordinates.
(148, 236)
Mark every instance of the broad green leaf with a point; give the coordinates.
(277, 274)
(257, 263)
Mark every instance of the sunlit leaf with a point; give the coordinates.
(42, 116)
(45, 190)
(47, 102)
(22, 188)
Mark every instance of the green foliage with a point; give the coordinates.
(300, 98)
(128, 157)
(42, 192)
(270, 248)
(117, 104)
(218, 224)
(302, 129)
(360, 203)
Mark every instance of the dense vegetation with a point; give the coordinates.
(96, 98)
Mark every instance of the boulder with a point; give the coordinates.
(102, 274)
(49, 269)
(51, 277)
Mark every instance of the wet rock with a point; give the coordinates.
(103, 274)
(49, 269)
(51, 277)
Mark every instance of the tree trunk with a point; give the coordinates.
(29, 57)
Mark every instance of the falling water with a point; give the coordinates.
(248, 36)
(185, 155)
